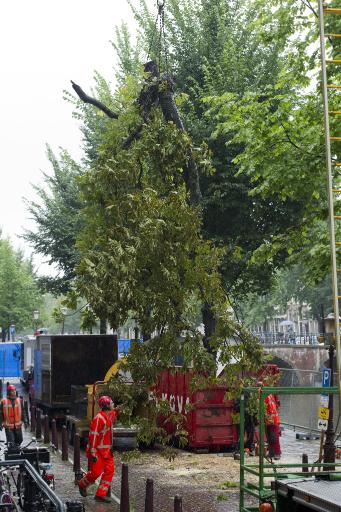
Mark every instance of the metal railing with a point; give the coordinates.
(266, 469)
(295, 413)
(289, 338)
(43, 487)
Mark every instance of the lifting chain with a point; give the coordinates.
(161, 48)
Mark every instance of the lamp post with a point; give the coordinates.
(35, 320)
(63, 311)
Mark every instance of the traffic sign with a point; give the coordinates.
(324, 400)
(323, 413)
(322, 424)
(326, 378)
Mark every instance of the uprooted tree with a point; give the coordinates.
(143, 249)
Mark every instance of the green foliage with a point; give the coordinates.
(229, 485)
(142, 247)
(139, 409)
(231, 52)
(290, 283)
(19, 295)
(57, 216)
(51, 305)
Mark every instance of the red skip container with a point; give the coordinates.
(209, 421)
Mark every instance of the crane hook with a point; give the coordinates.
(160, 5)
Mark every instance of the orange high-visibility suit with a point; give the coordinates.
(11, 413)
(272, 425)
(99, 452)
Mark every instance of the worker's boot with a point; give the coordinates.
(82, 491)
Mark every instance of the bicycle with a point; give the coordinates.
(30, 496)
(7, 501)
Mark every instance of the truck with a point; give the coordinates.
(27, 361)
(65, 361)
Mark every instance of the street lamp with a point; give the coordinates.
(35, 320)
(63, 311)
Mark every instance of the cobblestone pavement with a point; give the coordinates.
(202, 480)
(207, 482)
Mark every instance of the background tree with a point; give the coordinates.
(229, 47)
(57, 217)
(288, 283)
(217, 50)
(19, 294)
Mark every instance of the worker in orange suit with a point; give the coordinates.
(99, 451)
(272, 425)
(12, 416)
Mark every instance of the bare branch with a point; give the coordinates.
(88, 99)
(308, 4)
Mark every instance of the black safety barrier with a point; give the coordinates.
(149, 501)
(54, 434)
(46, 429)
(125, 505)
(177, 504)
(65, 444)
(38, 424)
(33, 418)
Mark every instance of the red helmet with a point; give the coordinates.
(11, 388)
(104, 401)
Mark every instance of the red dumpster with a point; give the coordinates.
(209, 421)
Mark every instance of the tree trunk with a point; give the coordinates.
(103, 326)
(171, 114)
(210, 324)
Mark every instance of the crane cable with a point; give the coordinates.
(159, 29)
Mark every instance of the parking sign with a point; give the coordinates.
(326, 378)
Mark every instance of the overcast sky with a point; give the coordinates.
(44, 44)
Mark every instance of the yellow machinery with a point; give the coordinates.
(81, 425)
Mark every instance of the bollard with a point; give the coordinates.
(26, 415)
(125, 505)
(149, 502)
(177, 504)
(77, 458)
(65, 447)
(54, 434)
(46, 429)
(33, 418)
(305, 461)
(38, 424)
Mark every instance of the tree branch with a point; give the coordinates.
(289, 139)
(151, 95)
(88, 99)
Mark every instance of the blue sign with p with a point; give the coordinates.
(326, 378)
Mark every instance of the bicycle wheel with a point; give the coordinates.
(21, 485)
(5, 499)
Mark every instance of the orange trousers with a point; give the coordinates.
(104, 467)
